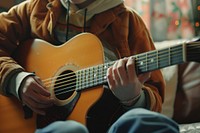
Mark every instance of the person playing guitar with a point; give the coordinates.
(53, 62)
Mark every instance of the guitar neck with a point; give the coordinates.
(145, 62)
(158, 59)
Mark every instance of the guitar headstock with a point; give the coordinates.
(193, 50)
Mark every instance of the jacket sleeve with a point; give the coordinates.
(126, 32)
(140, 41)
(14, 28)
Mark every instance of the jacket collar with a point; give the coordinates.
(99, 23)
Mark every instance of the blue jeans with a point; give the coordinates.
(134, 121)
(68, 126)
(144, 121)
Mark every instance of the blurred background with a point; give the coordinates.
(166, 19)
(169, 19)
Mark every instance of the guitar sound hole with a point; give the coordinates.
(65, 85)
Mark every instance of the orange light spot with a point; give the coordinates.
(198, 8)
(176, 22)
(197, 24)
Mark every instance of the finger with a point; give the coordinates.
(115, 74)
(38, 79)
(41, 100)
(122, 72)
(131, 69)
(110, 79)
(144, 77)
(32, 93)
(40, 88)
(31, 82)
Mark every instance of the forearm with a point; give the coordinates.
(13, 30)
(8, 68)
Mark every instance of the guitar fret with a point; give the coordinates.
(98, 74)
(87, 78)
(95, 76)
(169, 56)
(101, 74)
(157, 58)
(91, 77)
(81, 85)
(179, 55)
(140, 63)
(146, 61)
(77, 81)
(84, 80)
(152, 61)
(161, 57)
(105, 67)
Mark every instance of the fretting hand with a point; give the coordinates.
(123, 80)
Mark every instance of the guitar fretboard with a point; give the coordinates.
(145, 62)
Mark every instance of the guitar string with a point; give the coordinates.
(137, 63)
(70, 80)
(68, 77)
(69, 90)
(71, 77)
(195, 51)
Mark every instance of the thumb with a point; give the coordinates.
(40, 87)
(144, 77)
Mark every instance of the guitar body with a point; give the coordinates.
(74, 73)
(48, 61)
(12, 117)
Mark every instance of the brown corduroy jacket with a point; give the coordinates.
(121, 27)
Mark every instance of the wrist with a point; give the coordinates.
(131, 101)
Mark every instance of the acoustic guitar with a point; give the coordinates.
(75, 73)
